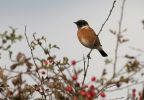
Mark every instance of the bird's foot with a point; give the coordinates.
(88, 56)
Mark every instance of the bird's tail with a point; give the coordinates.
(102, 52)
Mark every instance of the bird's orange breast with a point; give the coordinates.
(88, 38)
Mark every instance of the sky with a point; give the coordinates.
(54, 19)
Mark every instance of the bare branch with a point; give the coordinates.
(44, 95)
(86, 69)
(107, 17)
(117, 42)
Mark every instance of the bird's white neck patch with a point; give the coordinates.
(84, 27)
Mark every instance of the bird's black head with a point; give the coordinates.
(81, 23)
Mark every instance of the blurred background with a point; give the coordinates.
(54, 19)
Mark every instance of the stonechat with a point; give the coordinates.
(88, 37)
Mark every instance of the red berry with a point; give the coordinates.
(45, 62)
(74, 77)
(83, 92)
(93, 79)
(140, 98)
(92, 93)
(102, 94)
(69, 88)
(77, 84)
(88, 95)
(73, 62)
(133, 94)
(92, 87)
(134, 90)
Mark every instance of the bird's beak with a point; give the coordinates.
(75, 22)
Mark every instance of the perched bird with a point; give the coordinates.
(88, 37)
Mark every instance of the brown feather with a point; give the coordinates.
(88, 37)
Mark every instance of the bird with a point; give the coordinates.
(88, 37)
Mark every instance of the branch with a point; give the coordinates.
(107, 17)
(143, 23)
(85, 69)
(31, 50)
(117, 42)
(112, 90)
(44, 95)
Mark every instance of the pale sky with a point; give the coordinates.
(54, 19)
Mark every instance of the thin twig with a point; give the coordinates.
(39, 43)
(107, 17)
(30, 49)
(107, 84)
(86, 69)
(44, 95)
(117, 42)
(143, 23)
(121, 88)
(84, 63)
(117, 98)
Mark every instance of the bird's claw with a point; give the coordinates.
(88, 56)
